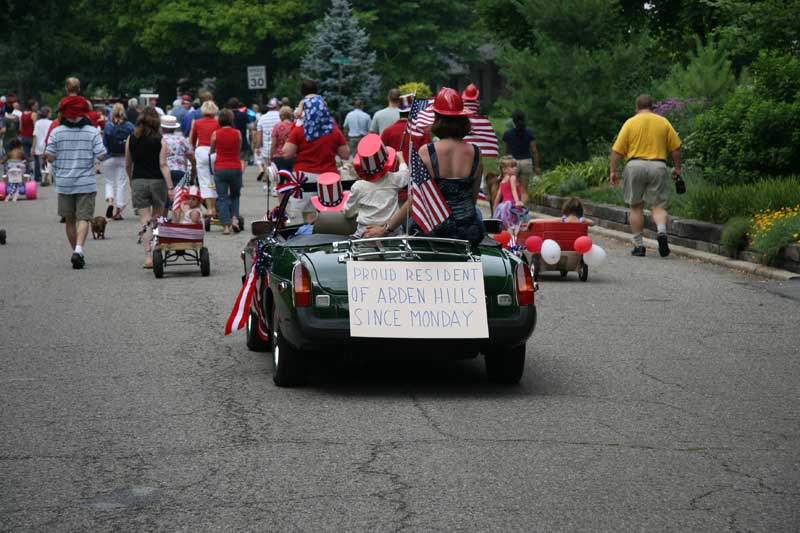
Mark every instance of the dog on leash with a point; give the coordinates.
(99, 228)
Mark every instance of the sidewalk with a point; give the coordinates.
(682, 251)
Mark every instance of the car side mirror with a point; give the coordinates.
(261, 227)
(492, 225)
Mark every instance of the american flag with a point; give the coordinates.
(181, 190)
(483, 136)
(428, 207)
(420, 117)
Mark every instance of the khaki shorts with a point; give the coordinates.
(645, 181)
(149, 193)
(525, 173)
(78, 206)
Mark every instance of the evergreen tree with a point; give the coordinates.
(339, 36)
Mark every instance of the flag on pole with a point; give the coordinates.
(420, 117)
(181, 190)
(483, 136)
(428, 206)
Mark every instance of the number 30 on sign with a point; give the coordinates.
(257, 77)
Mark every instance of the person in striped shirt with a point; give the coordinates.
(73, 149)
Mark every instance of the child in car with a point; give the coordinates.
(382, 174)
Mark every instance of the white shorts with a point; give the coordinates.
(205, 178)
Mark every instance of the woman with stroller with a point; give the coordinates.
(200, 139)
(226, 143)
(151, 181)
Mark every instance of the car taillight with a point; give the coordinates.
(524, 281)
(301, 286)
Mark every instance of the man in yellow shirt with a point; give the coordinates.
(644, 141)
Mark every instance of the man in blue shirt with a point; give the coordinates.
(356, 125)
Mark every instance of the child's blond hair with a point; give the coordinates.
(72, 86)
(506, 162)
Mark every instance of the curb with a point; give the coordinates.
(735, 264)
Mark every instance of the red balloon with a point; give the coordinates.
(534, 244)
(503, 237)
(583, 244)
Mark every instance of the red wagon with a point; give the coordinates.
(174, 243)
(564, 233)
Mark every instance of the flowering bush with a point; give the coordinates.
(772, 231)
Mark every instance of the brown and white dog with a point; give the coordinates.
(99, 228)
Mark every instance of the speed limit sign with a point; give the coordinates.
(257, 77)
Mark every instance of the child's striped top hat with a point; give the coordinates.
(374, 159)
(330, 195)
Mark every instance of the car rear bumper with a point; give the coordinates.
(308, 332)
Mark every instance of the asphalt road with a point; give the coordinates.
(661, 395)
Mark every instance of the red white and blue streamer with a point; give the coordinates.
(293, 184)
(241, 307)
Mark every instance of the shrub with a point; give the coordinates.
(773, 230)
(569, 175)
(421, 89)
(734, 234)
(757, 131)
(720, 204)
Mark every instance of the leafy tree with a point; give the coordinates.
(340, 36)
(578, 79)
(419, 40)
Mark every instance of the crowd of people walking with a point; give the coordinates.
(145, 152)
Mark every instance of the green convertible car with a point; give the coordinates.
(302, 302)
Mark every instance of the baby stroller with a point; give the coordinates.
(179, 243)
(564, 233)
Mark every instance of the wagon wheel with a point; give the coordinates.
(563, 273)
(583, 273)
(207, 223)
(537, 265)
(205, 262)
(158, 264)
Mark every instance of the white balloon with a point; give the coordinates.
(595, 256)
(551, 252)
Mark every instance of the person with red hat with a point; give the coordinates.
(395, 135)
(455, 166)
(383, 173)
(189, 210)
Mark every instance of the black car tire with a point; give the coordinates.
(507, 366)
(205, 262)
(254, 342)
(288, 366)
(583, 273)
(158, 264)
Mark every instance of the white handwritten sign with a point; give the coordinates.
(422, 300)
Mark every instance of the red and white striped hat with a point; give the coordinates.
(330, 195)
(374, 159)
(194, 192)
(405, 102)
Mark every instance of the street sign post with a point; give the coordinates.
(341, 61)
(257, 77)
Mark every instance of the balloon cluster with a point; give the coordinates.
(550, 251)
